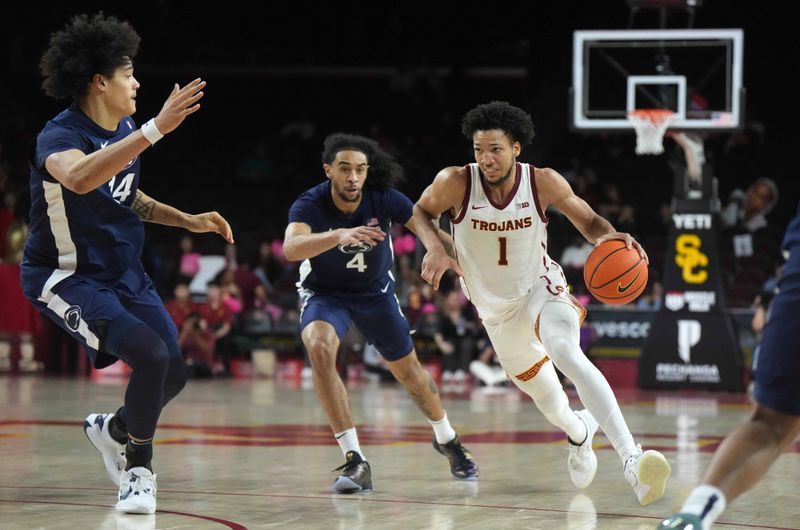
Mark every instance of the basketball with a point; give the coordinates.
(614, 274)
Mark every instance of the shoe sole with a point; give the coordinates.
(93, 434)
(654, 470)
(142, 510)
(346, 486)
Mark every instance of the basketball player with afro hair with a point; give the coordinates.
(498, 215)
(81, 265)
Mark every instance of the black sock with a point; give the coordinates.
(139, 454)
(118, 429)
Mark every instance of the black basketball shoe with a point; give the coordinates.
(356, 475)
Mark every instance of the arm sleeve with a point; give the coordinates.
(56, 140)
(398, 206)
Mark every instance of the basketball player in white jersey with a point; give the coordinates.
(499, 230)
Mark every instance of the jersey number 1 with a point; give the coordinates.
(503, 260)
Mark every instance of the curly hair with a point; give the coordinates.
(513, 121)
(384, 171)
(87, 46)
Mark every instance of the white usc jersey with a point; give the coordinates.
(502, 248)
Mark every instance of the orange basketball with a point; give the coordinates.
(614, 274)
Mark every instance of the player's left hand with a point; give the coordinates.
(629, 242)
(210, 222)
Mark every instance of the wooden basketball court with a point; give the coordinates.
(244, 454)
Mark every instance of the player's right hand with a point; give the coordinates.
(180, 103)
(361, 234)
(435, 263)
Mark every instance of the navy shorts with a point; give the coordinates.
(81, 306)
(778, 368)
(376, 315)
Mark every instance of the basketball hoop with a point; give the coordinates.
(650, 126)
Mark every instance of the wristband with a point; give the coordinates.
(151, 132)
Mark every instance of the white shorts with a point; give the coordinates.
(514, 334)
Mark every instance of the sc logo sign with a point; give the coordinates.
(688, 257)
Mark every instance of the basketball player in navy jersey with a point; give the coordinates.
(82, 264)
(499, 231)
(340, 228)
(747, 453)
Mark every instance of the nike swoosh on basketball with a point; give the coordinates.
(621, 289)
(476, 207)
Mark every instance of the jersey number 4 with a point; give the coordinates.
(123, 190)
(357, 262)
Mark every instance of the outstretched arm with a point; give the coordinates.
(300, 243)
(152, 211)
(83, 173)
(554, 190)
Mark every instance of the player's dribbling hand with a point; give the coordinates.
(629, 242)
(180, 103)
(435, 264)
(370, 235)
(210, 222)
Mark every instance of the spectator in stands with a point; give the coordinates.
(653, 298)
(455, 337)
(180, 307)
(486, 367)
(197, 344)
(189, 262)
(219, 320)
(748, 209)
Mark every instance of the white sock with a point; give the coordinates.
(348, 441)
(706, 502)
(443, 430)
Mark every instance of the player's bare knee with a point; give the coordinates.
(321, 353)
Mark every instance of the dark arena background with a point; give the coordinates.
(247, 445)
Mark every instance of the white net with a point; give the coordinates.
(650, 126)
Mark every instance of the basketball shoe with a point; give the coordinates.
(356, 475)
(681, 521)
(137, 491)
(96, 426)
(462, 466)
(647, 472)
(582, 462)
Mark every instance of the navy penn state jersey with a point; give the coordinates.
(351, 268)
(96, 234)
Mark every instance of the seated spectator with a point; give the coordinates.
(219, 319)
(197, 344)
(486, 367)
(180, 307)
(455, 337)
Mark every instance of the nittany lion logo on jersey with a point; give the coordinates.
(356, 248)
(72, 317)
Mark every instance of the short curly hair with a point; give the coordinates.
(87, 46)
(513, 121)
(384, 171)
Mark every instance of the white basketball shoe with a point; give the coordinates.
(582, 462)
(96, 428)
(647, 472)
(137, 491)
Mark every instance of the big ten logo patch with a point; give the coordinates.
(690, 259)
